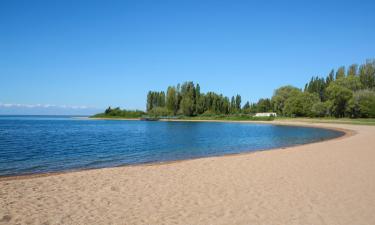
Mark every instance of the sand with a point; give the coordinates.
(331, 182)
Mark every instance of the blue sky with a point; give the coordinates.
(69, 55)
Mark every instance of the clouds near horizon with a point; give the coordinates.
(46, 109)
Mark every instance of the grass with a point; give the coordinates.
(358, 121)
(228, 118)
(244, 117)
(239, 117)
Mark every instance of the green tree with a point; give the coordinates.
(264, 105)
(363, 104)
(340, 72)
(281, 95)
(197, 91)
(188, 101)
(353, 70)
(161, 102)
(225, 106)
(317, 85)
(149, 101)
(351, 82)
(320, 109)
(201, 104)
(339, 97)
(187, 106)
(367, 74)
(300, 104)
(238, 103)
(108, 110)
(246, 107)
(171, 101)
(330, 77)
(117, 112)
(159, 111)
(233, 105)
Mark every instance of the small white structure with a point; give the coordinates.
(265, 114)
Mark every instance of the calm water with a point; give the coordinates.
(46, 144)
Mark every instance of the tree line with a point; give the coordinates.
(188, 100)
(342, 93)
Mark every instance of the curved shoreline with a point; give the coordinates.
(346, 133)
(329, 182)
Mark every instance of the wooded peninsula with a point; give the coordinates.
(342, 93)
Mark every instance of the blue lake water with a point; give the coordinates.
(39, 144)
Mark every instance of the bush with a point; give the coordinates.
(363, 104)
(117, 112)
(160, 111)
(320, 109)
(300, 104)
(339, 97)
(208, 113)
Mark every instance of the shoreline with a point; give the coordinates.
(327, 182)
(323, 120)
(346, 133)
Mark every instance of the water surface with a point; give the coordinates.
(39, 144)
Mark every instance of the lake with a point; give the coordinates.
(40, 144)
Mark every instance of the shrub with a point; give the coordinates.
(363, 104)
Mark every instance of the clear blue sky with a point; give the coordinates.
(100, 53)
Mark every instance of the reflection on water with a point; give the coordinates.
(45, 144)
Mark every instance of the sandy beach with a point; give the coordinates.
(330, 182)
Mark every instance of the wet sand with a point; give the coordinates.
(330, 182)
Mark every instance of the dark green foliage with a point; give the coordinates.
(264, 105)
(339, 96)
(155, 99)
(172, 100)
(238, 103)
(200, 105)
(281, 95)
(160, 111)
(363, 104)
(187, 106)
(251, 108)
(117, 112)
(336, 92)
(246, 107)
(320, 109)
(233, 105)
(317, 85)
(367, 74)
(238, 117)
(187, 100)
(351, 82)
(300, 104)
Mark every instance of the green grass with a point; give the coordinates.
(228, 118)
(240, 117)
(244, 117)
(359, 121)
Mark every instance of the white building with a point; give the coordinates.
(266, 114)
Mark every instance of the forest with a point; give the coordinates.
(346, 92)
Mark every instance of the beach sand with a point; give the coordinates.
(331, 182)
